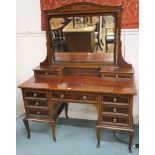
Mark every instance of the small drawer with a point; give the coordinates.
(130, 76)
(115, 76)
(35, 94)
(108, 76)
(36, 103)
(37, 112)
(72, 96)
(115, 99)
(116, 108)
(115, 120)
(46, 74)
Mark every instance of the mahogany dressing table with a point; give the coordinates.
(101, 78)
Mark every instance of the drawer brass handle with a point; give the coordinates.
(37, 103)
(84, 97)
(62, 96)
(115, 99)
(46, 73)
(35, 95)
(38, 112)
(114, 110)
(114, 120)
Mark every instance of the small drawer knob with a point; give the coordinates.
(115, 99)
(38, 112)
(116, 76)
(46, 73)
(114, 120)
(34, 95)
(37, 103)
(62, 96)
(84, 97)
(114, 110)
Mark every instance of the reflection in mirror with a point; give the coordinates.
(83, 39)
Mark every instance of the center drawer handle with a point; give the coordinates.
(62, 96)
(115, 99)
(116, 76)
(38, 112)
(84, 97)
(46, 73)
(37, 103)
(114, 120)
(114, 110)
(34, 95)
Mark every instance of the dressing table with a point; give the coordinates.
(99, 77)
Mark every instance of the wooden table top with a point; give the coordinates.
(80, 28)
(56, 23)
(81, 83)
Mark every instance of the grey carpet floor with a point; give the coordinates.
(74, 137)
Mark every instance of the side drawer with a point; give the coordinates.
(35, 94)
(37, 112)
(115, 120)
(115, 99)
(114, 108)
(36, 103)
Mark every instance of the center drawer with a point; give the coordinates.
(74, 96)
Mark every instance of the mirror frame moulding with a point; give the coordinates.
(84, 9)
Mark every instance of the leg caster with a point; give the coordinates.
(98, 137)
(130, 150)
(26, 123)
(53, 126)
(131, 134)
(66, 110)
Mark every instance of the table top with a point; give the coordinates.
(81, 83)
(78, 28)
(56, 23)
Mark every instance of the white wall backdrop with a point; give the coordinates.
(31, 50)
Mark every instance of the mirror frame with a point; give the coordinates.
(84, 9)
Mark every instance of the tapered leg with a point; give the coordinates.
(106, 47)
(98, 136)
(66, 110)
(100, 46)
(102, 42)
(53, 126)
(131, 134)
(26, 123)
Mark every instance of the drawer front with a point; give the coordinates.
(73, 96)
(115, 99)
(37, 103)
(37, 112)
(46, 74)
(115, 108)
(115, 120)
(35, 94)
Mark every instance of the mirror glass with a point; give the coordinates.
(83, 39)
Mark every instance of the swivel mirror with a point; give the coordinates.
(83, 38)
